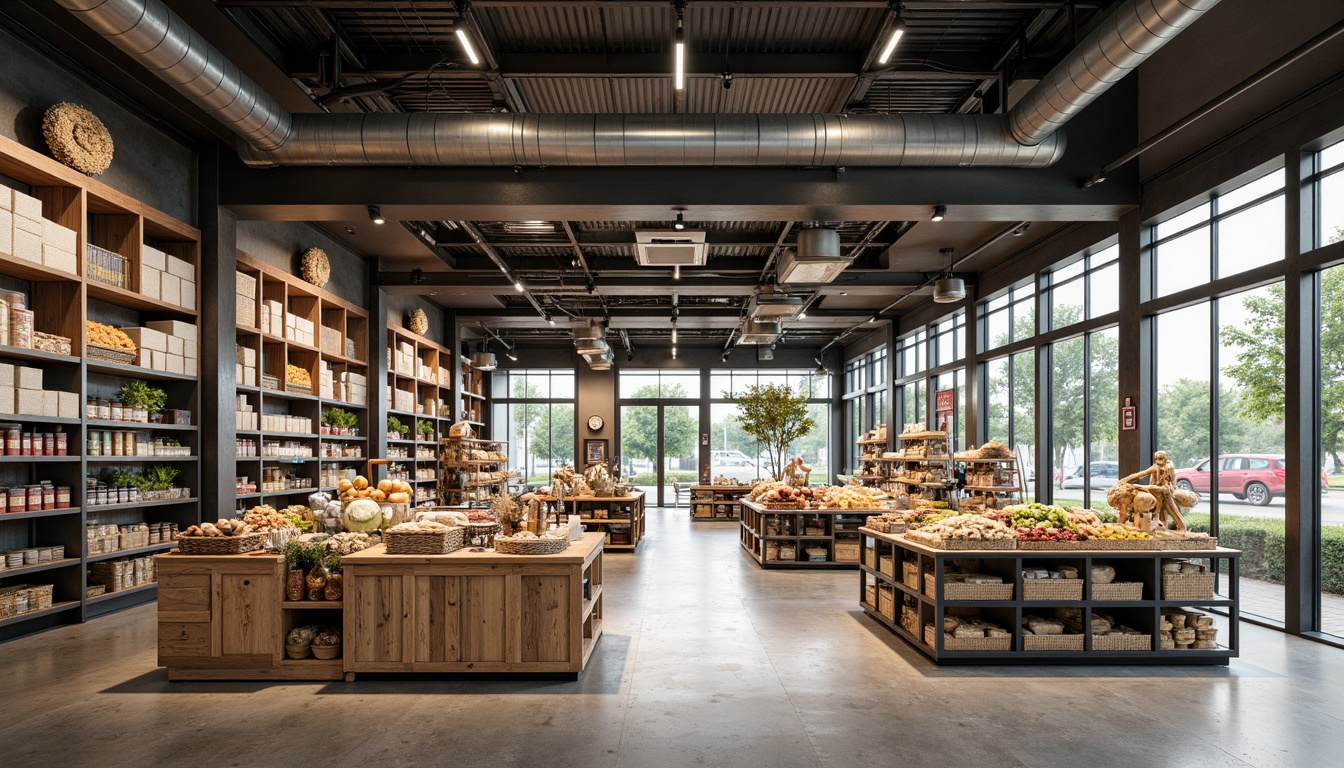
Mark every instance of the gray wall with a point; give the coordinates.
(281, 243)
(399, 310)
(147, 165)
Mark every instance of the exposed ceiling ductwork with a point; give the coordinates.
(1027, 137)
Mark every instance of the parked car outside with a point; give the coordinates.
(1253, 477)
(1104, 474)
(734, 464)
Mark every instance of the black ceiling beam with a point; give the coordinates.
(492, 280)
(920, 5)
(395, 64)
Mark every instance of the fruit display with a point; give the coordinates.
(107, 336)
(392, 491)
(362, 516)
(1047, 534)
(973, 527)
(298, 376)
(851, 497)
(1079, 516)
(1111, 531)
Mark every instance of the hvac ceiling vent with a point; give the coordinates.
(759, 332)
(774, 306)
(670, 248)
(817, 258)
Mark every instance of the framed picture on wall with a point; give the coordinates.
(595, 451)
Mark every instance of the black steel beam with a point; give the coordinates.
(922, 5)
(491, 280)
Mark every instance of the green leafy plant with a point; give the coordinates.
(159, 477)
(142, 395)
(394, 425)
(425, 428)
(300, 555)
(118, 478)
(776, 417)
(339, 417)
(332, 560)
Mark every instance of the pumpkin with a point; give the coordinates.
(361, 482)
(362, 516)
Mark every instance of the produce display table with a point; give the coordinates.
(608, 512)
(225, 617)
(717, 502)
(771, 535)
(903, 574)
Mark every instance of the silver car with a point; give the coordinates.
(1104, 474)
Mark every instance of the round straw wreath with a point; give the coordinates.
(315, 267)
(77, 138)
(419, 322)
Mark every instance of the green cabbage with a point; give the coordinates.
(362, 516)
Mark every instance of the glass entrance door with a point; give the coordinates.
(660, 451)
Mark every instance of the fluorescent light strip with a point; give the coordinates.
(897, 32)
(466, 45)
(680, 49)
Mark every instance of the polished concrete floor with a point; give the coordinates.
(706, 661)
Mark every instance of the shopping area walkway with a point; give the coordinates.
(706, 661)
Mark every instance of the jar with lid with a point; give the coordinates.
(63, 497)
(116, 412)
(62, 444)
(20, 323)
(104, 409)
(91, 408)
(4, 321)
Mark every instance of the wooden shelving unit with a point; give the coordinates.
(717, 502)
(457, 468)
(419, 388)
(471, 408)
(341, 337)
(1145, 614)
(924, 453)
(769, 535)
(991, 482)
(618, 512)
(62, 301)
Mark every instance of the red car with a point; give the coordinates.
(1255, 477)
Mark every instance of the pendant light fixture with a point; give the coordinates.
(948, 289)
(463, 32)
(679, 49)
(896, 33)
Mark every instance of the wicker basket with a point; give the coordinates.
(531, 546)
(1051, 546)
(969, 643)
(1122, 643)
(219, 545)
(1188, 586)
(1052, 589)
(886, 602)
(109, 355)
(935, 542)
(783, 505)
(1123, 545)
(886, 566)
(424, 543)
(962, 591)
(1205, 544)
(1118, 591)
(1052, 642)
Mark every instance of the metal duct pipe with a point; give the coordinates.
(166, 45)
(1131, 33)
(427, 139)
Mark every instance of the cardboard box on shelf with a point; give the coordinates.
(160, 360)
(7, 400)
(58, 237)
(245, 284)
(174, 344)
(170, 289)
(59, 260)
(144, 358)
(7, 198)
(27, 245)
(247, 312)
(153, 257)
(189, 348)
(51, 403)
(6, 230)
(7, 375)
(149, 281)
(189, 295)
(181, 268)
(67, 405)
(148, 338)
(175, 363)
(27, 206)
(28, 402)
(175, 328)
(27, 378)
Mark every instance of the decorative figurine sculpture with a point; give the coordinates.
(797, 474)
(1162, 487)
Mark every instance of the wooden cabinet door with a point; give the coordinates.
(376, 613)
(249, 614)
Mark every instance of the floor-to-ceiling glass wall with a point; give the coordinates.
(865, 401)
(537, 409)
(659, 428)
(736, 455)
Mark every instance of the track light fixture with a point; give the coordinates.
(727, 77)
(511, 355)
(518, 286)
(417, 276)
(680, 223)
(674, 353)
(896, 33)
(679, 49)
(939, 213)
(1022, 230)
(461, 29)
(376, 215)
(948, 289)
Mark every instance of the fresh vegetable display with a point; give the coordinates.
(1111, 531)
(1048, 534)
(1036, 515)
(966, 527)
(394, 491)
(362, 516)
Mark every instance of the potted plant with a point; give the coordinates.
(147, 400)
(396, 430)
(299, 558)
(335, 590)
(425, 428)
(157, 482)
(776, 417)
(338, 421)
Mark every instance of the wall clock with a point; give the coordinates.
(595, 423)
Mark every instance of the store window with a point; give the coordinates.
(913, 401)
(1088, 287)
(1231, 233)
(912, 354)
(659, 385)
(1008, 318)
(538, 408)
(1330, 420)
(1084, 424)
(948, 340)
(865, 400)
(735, 454)
(1010, 408)
(1328, 178)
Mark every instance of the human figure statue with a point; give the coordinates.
(1162, 485)
(797, 474)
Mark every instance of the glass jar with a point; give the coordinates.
(63, 497)
(104, 409)
(116, 412)
(20, 325)
(91, 408)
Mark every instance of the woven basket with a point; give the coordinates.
(482, 529)
(531, 546)
(782, 505)
(109, 355)
(1052, 589)
(1188, 586)
(426, 543)
(1123, 545)
(1122, 643)
(1052, 642)
(1201, 545)
(219, 545)
(969, 643)
(1118, 591)
(1050, 546)
(934, 542)
(962, 591)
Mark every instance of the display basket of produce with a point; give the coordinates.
(1051, 546)
(887, 566)
(1122, 545)
(784, 505)
(1118, 591)
(1052, 642)
(951, 643)
(530, 546)
(220, 545)
(961, 590)
(942, 542)
(50, 342)
(108, 354)
(1188, 586)
(424, 542)
(1192, 543)
(1122, 642)
(106, 266)
(1053, 589)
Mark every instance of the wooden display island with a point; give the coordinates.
(225, 617)
(621, 518)
(781, 538)
(903, 587)
(717, 502)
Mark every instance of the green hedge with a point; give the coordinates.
(651, 478)
(1264, 551)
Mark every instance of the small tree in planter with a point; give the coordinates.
(425, 428)
(776, 417)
